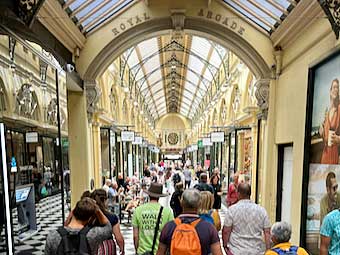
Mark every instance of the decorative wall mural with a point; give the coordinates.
(173, 138)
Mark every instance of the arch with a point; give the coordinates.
(173, 121)
(193, 25)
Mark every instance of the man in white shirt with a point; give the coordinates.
(107, 185)
(244, 224)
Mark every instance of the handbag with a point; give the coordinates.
(156, 231)
(217, 220)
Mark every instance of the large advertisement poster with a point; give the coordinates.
(323, 167)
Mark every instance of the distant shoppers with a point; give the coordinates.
(187, 176)
(215, 183)
(175, 202)
(107, 185)
(145, 218)
(245, 222)
(330, 234)
(188, 227)
(60, 241)
(203, 184)
(100, 196)
(280, 235)
(232, 196)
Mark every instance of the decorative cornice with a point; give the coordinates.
(93, 93)
(55, 19)
(262, 96)
(301, 17)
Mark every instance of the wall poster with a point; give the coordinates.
(322, 146)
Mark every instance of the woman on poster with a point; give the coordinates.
(329, 130)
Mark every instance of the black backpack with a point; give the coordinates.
(73, 243)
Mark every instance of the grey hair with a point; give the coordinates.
(281, 231)
(191, 198)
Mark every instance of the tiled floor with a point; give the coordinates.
(49, 218)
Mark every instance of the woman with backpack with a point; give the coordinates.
(100, 196)
(206, 211)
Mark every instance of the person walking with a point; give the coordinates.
(187, 176)
(244, 224)
(215, 183)
(188, 226)
(330, 234)
(280, 235)
(175, 202)
(203, 184)
(145, 218)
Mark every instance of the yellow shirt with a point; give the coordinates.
(285, 246)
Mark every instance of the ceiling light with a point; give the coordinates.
(135, 103)
(224, 89)
(146, 119)
(141, 112)
(173, 87)
(126, 89)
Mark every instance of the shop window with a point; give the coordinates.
(284, 182)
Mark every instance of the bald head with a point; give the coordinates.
(244, 191)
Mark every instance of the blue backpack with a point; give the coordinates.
(292, 251)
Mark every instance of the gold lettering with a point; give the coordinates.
(218, 17)
(146, 16)
(234, 25)
(115, 31)
(241, 30)
(130, 21)
(122, 26)
(209, 15)
(201, 13)
(225, 22)
(138, 20)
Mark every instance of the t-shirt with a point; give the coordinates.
(331, 228)
(248, 221)
(145, 219)
(207, 233)
(113, 219)
(187, 174)
(95, 237)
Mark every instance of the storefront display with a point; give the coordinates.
(322, 170)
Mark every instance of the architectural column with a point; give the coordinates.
(80, 148)
(254, 130)
(93, 94)
(267, 157)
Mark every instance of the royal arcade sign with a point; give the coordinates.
(230, 23)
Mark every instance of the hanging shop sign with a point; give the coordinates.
(128, 136)
(217, 137)
(145, 144)
(200, 144)
(31, 137)
(156, 150)
(206, 141)
(138, 140)
(194, 147)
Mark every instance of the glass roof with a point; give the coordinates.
(174, 80)
(267, 14)
(89, 15)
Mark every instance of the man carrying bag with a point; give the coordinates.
(148, 221)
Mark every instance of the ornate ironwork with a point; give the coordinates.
(332, 10)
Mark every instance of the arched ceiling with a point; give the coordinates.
(90, 15)
(173, 74)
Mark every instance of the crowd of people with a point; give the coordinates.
(174, 210)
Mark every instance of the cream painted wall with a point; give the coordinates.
(290, 105)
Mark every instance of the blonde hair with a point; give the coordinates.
(207, 202)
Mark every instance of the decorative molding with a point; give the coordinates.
(332, 10)
(93, 93)
(178, 22)
(302, 16)
(64, 30)
(262, 96)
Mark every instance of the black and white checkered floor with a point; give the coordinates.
(49, 218)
